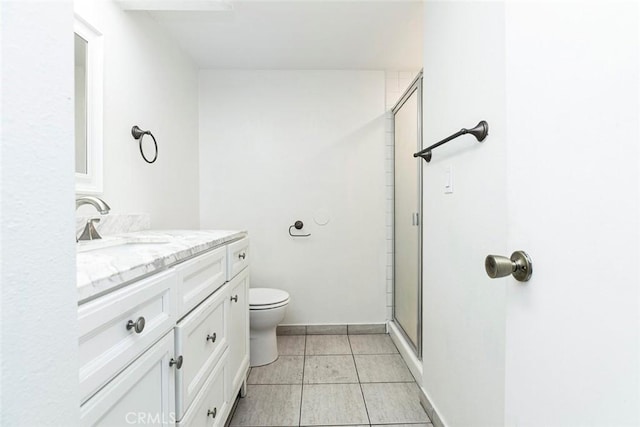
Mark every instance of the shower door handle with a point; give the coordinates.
(415, 218)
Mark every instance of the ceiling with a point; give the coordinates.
(302, 34)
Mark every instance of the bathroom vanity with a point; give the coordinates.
(164, 327)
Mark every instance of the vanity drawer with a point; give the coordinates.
(199, 278)
(237, 257)
(210, 407)
(201, 338)
(118, 327)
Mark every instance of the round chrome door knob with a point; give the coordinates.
(519, 265)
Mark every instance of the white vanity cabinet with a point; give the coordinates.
(238, 257)
(171, 348)
(201, 339)
(142, 394)
(200, 277)
(118, 327)
(238, 332)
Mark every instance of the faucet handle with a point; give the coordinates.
(90, 232)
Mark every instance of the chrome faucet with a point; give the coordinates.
(96, 202)
(90, 232)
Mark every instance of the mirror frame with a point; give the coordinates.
(91, 182)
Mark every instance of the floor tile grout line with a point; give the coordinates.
(359, 383)
(304, 362)
(334, 383)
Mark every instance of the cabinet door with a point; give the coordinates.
(201, 338)
(210, 408)
(238, 331)
(144, 393)
(108, 340)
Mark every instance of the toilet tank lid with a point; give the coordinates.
(266, 296)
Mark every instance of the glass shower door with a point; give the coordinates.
(407, 295)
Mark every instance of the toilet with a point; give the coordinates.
(266, 309)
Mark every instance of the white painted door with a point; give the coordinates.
(572, 116)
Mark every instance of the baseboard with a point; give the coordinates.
(413, 363)
(433, 415)
(329, 329)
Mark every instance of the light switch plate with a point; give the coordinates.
(448, 181)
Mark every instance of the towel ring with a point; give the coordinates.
(139, 135)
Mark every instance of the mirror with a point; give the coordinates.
(88, 107)
(80, 83)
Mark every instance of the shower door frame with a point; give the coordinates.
(415, 86)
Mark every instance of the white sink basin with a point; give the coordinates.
(116, 242)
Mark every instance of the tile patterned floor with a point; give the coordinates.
(332, 380)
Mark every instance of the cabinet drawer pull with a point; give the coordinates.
(235, 298)
(138, 325)
(242, 255)
(211, 413)
(212, 337)
(177, 362)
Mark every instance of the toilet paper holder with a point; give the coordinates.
(519, 265)
(298, 226)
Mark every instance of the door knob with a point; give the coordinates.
(519, 265)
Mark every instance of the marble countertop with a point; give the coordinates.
(106, 265)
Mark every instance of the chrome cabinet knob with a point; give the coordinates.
(519, 265)
(138, 325)
(177, 362)
(212, 337)
(211, 413)
(242, 255)
(235, 298)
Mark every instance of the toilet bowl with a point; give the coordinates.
(266, 309)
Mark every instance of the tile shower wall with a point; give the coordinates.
(396, 83)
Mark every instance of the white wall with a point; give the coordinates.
(572, 96)
(152, 83)
(557, 177)
(39, 353)
(278, 146)
(464, 311)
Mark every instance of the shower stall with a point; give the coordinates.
(407, 241)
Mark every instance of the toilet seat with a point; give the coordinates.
(267, 298)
